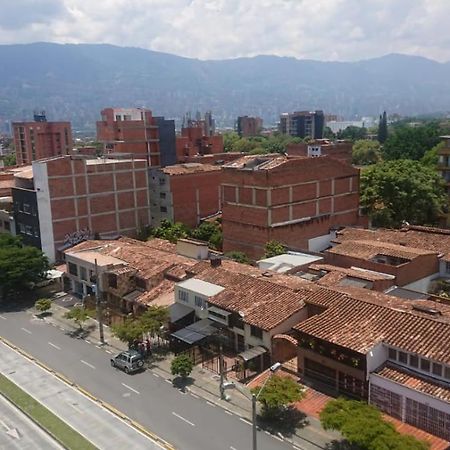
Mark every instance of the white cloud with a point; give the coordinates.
(319, 29)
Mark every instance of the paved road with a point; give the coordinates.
(186, 421)
(91, 420)
(17, 431)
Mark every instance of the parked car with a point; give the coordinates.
(129, 361)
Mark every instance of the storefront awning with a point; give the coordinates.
(196, 332)
(177, 311)
(252, 353)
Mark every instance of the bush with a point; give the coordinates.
(43, 305)
(182, 365)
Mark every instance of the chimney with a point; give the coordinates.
(215, 262)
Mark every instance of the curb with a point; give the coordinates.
(136, 425)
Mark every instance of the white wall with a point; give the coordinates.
(422, 284)
(199, 312)
(44, 209)
(320, 243)
(375, 357)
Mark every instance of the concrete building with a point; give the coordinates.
(298, 201)
(184, 193)
(340, 150)
(444, 169)
(41, 139)
(249, 126)
(135, 131)
(303, 124)
(67, 199)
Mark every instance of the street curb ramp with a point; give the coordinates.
(136, 425)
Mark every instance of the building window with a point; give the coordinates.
(256, 332)
(447, 373)
(7, 226)
(403, 357)
(447, 266)
(393, 354)
(112, 280)
(26, 208)
(73, 269)
(413, 361)
(424, 365)
(22, 228)
(162, 195)
(29, 230)
(83, 273)
(162, 181)
(141, 283)
(183, 296)
(437, 369)
(163, 209)
(199, 302)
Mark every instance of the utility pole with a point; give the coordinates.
(221, 387)
(98, 304)
(254, 426)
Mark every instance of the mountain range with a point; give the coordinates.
(75, 81)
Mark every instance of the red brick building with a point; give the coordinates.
(193, 142)
(69, 199)
(298, 201)
(137, 132)
(340, 150)
(249, 126)
(184, 193)
(41, 139)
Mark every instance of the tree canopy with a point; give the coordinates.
(182, 365)
(366, 152)
(352, 133)
(78, 314)
(239, 257)
(276, 143)
(402, 190)
(274, 248)
(363, 425)
(170, 231)
(382, 128)
(19, 265)
(210, 232)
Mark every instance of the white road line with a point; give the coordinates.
(85, 340)
(26, 331)
(87, 364)
(228, 412)
(232, 448)
(54, 346)
(277, 438)
(268, 434)
(193, 395)
(183, 419)
(168, 381)
(296, 447)
(210, 404)
(130, 388)
(244, 420)
(156, 375)
(3, 317)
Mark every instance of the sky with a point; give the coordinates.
(338, 30)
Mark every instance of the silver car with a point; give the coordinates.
(129, 361)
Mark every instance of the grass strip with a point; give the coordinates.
(57, 428)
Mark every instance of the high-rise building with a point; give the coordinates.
(41, 139)
(61, 201)
(303, 124)
(137, 132)
(249, 126)
(444, 169)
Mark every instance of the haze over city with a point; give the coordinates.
(341, 30)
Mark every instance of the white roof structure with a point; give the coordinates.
(286, 261)
(201, 287)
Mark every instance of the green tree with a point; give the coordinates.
(382, 128)
(43, 305)
(239, 257)
(129, 331)
(229, 140)
(363, 425)
(407, 142)
(170, 231)
(79, 315)
(366, 152)
(210, 232)
(154, 319)
(19, 265)
(431, 158)
(274, 248)
(10, 159)
(352, 133)
(182, 365)
(277, 393)
(328, 133)
(402, 190)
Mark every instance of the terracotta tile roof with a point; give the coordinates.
(367, 249)
(189, 168)
(358, 319)
(368, 275)
(263, 302)
(426, 238)
(414, 381)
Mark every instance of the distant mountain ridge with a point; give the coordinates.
(75, 81)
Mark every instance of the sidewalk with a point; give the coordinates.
(95, 423)
(205, 384)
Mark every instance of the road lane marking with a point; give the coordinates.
(130, 388)
(26, 331)
(245, 421)
(183, 419)
(228, 412)
(232, 448)
(168, 381)
(87, 364)
(193, 395)
(156, 375)
(54, 346)
(3, 317)
(210, 404)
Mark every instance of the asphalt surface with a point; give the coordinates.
(183, 419)
(17, 431)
